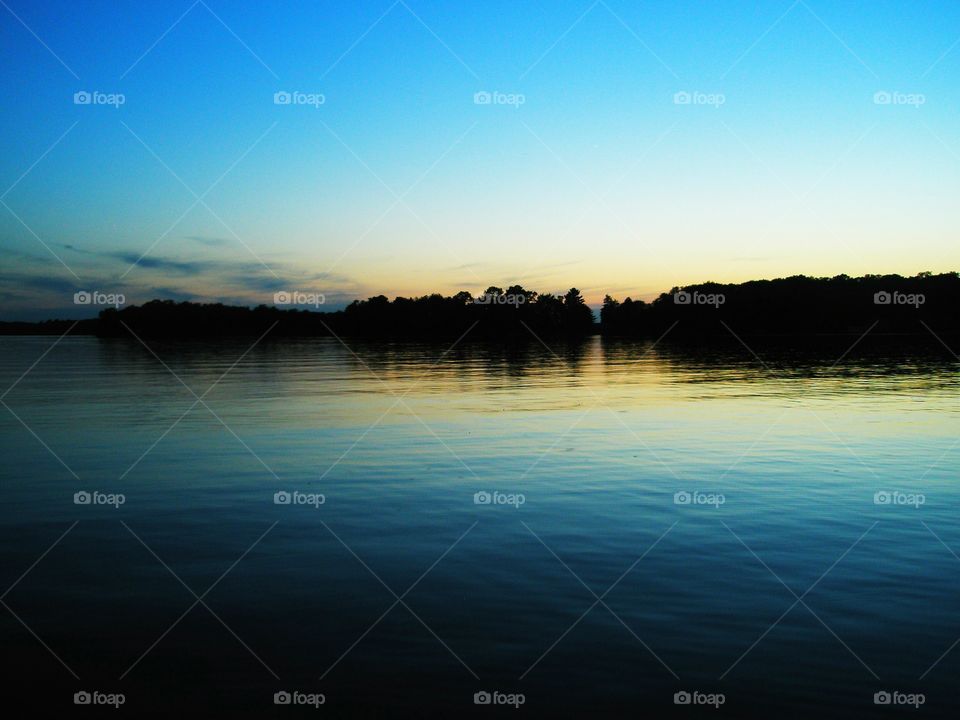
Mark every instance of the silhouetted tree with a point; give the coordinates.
(511, 314)
(577, 316)
(786, 306)
(795, 305)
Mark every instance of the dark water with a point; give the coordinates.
(602, 594)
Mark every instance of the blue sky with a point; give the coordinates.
(586, 168)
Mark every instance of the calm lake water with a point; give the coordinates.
(782, 531)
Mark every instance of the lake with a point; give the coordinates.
(604, 528)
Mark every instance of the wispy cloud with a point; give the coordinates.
(208, 240)
(184, 267)
(30, 292)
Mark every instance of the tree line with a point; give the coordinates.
(797, 305)
(497, 313)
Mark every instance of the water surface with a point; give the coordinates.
(604, 592)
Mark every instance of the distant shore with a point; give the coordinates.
(789, 307)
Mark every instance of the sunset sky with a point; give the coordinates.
(819, 138)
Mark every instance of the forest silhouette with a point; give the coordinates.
(799, 305)
(796, 305)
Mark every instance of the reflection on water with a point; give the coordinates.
(836, 468)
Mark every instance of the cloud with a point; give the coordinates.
(207, 240)
(31, 289)
(332, 278)
(265, 283)
(42, 283)
(470, 266)
(152, 262)
(75, 249)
